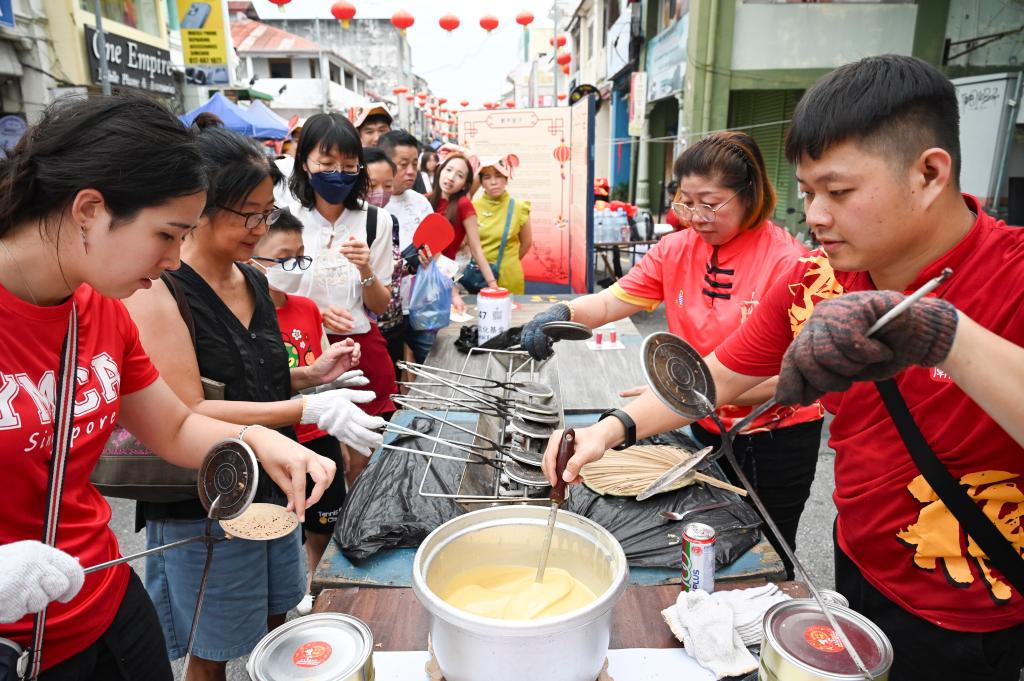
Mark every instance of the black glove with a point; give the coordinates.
(535, 341)
(832, 351)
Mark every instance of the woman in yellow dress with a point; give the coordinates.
(503, 251)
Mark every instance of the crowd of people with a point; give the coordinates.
(211, 293)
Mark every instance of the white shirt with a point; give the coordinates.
(332, 279)
(282, 194)
(410, 207)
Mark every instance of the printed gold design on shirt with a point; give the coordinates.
(819, 283)
(936, 536)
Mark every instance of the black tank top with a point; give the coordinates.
(252, 363)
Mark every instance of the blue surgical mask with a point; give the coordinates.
(333, 188)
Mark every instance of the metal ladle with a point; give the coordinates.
(528, 388)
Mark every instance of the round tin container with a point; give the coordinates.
(833, 597)
(799, 644)
(321, 647)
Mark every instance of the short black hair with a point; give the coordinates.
(235, 164)
(375, 155)
(285, 222)
(397, 138)
(377, 118)
(326, 132)
(896, 105)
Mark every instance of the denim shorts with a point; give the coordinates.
(248, 581)
(420, 342)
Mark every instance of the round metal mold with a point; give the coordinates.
(533, 417)
(262, 522)
(229, 471)
(539, 409)
(533, 389)
(530, 476)
(570, 331)
(526, 456)
(536, 431)
(678, 375)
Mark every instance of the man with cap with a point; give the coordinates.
(372, 121)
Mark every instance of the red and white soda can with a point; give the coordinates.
(698, 557)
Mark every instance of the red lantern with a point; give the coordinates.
(561, 97)
(510, 103)
(280, 3)
(488, 22)
(343, 12)
(561, 41)
(565, 69)
(464, 103)
(442, 100)
(563, 58)
(449, 22)
(444, 110)
(524, 19)
(400, 90)
(562, 153)
(409, 98)
(402, 20)
(422, 95)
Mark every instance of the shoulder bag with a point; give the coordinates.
(473, 278)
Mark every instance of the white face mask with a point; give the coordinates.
(285, 281)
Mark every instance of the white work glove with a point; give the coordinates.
(349, 379)
(705, 626)
(32, 575)
(749, 607)
(335, 411)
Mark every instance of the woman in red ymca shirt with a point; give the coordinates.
(90, 214)
(710, 276)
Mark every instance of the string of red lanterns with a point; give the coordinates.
(488, 22)
(402, 20)
(343, 12)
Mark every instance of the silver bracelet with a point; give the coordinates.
(245, 429)
(369, 280)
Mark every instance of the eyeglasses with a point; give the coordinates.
(702, 210)
(334, 169)
(253, 220)
(288, 264)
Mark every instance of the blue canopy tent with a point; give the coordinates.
(234, 116)
(268, 124)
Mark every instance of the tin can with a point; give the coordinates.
(329, 646)
(833, 598)
(698, 557)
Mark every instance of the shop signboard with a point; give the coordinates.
(204, 41)
(7, 13)
(130, 63)
(666, 60)
(637, 102)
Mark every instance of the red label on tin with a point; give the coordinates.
(823, 638)
(312, 654)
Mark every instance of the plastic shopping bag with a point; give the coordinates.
(431, 302)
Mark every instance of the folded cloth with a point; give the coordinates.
(749, 607)
(705, 625)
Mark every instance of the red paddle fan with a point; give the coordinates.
(434, 232)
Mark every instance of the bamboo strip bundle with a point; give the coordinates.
(629, 472)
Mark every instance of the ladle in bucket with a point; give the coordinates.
(566, 448)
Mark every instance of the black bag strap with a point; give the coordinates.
(183, 307)
(974, 521)
(63, 422)
(371, 225)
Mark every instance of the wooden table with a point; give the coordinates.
(399, 622)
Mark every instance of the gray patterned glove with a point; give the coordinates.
(534, 340)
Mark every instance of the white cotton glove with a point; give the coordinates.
(32, 575)
(705, 626)
(749, 607)
(349, 379)
(335, 411)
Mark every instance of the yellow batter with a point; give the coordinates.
(509, 592)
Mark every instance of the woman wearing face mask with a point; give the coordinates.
(710, 277)
(76, 231)
(238, 344)
(505, 231)
(450, 198)
(350, 243)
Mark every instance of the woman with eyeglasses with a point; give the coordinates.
(350, 243)
(710, 277)
(237, 346)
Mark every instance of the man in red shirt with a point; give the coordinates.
(876, 145)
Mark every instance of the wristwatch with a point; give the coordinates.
(369, 280)
(627, 422)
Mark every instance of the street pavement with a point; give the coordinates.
(814, 540)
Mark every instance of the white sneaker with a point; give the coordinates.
(305, 606)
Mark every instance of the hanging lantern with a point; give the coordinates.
(488, 22)
(510, 103)
(449, 22)
(562, 154)
(464, 103)
(561, 41)
(444, 110)
(564, 58)
(562, 97)
(409, 98)
(565, 69)
(343, 12)
(524, 19)
(399, 90)
(280, 3)
(402, 20)
(422, 95)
